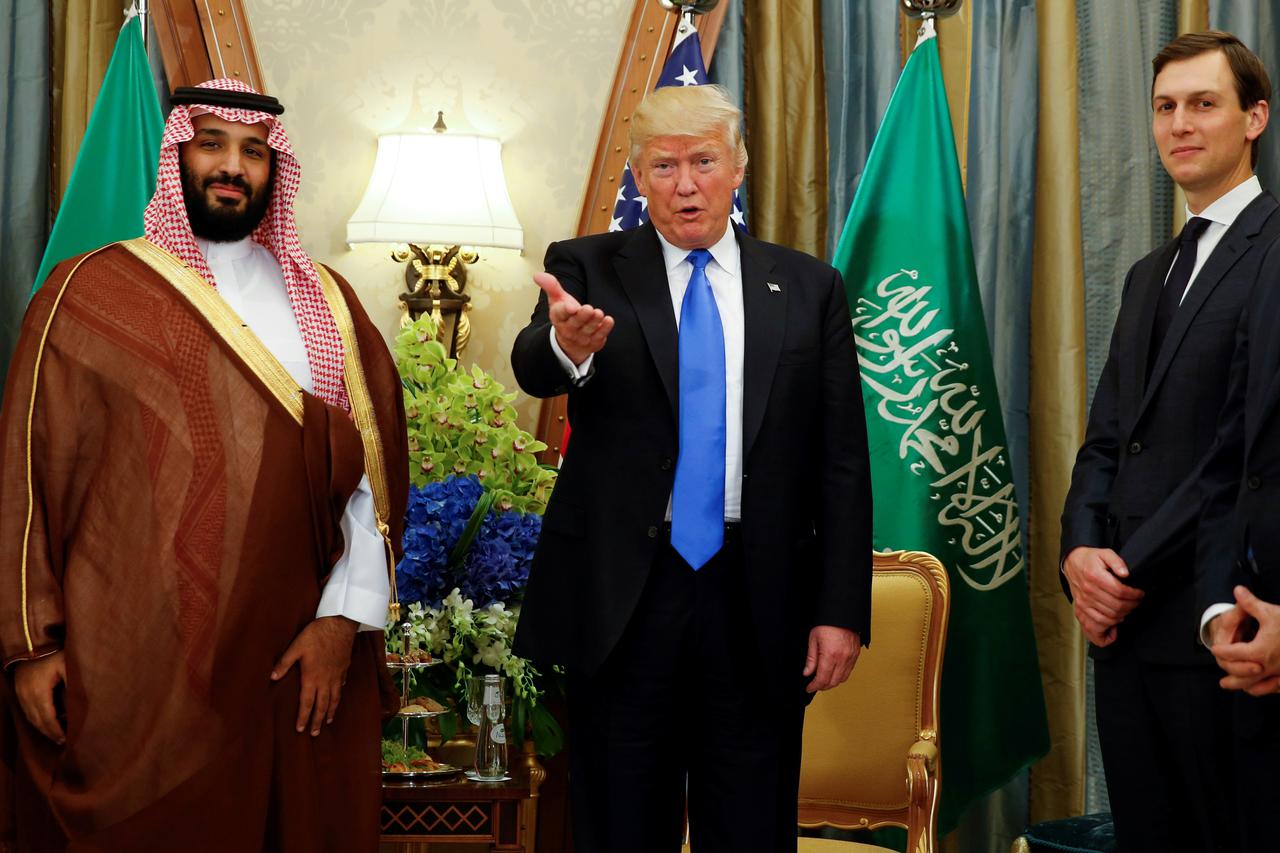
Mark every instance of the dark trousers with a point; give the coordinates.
(1165, 734)
(1257, 731)
(681, 702)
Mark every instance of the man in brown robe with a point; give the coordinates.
(173, 506)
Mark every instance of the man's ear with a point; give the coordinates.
(639, 177)
(1259, 115)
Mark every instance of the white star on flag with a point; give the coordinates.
(689, 77)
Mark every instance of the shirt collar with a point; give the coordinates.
(1229, 205)
(233, 251)
(724, 252)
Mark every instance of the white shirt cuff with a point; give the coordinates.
(578, 373)
(358, 587)
(1211, 611)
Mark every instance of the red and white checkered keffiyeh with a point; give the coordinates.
(166, 225)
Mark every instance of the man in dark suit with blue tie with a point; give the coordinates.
(705, 559)
(1128, 528)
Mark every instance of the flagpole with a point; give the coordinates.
(142, 19)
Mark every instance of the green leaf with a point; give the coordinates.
(548, 737)
(448, 724)
(473, 527)
(519, 719)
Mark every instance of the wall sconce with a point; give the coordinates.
(443, 194)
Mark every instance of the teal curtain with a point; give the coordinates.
(1254, 22)
(1001, 151)
(727, 70)
(24, 160)
(861, 58)
(1126, 198)
(999, 196)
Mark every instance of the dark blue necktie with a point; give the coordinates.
(697, 500)
(1175, 286)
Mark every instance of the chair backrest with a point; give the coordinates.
(863, 739)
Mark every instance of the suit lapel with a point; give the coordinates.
(764, 312)
(1267, 366)
(1233, 245)
(1150, 296)
(644, 279)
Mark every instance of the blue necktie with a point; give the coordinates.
(697, 501)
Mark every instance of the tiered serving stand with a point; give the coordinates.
(408, 713)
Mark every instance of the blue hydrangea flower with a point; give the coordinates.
(496, 566)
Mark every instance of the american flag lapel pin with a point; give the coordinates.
(773, 287)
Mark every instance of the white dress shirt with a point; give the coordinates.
(724, 273)
(1222, 213)
(248, 277)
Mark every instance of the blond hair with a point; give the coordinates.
(689, 111)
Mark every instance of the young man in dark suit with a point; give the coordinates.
(1128, 544)
(1238, 559)
(705, 559)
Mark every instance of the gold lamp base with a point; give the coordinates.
(436, 282)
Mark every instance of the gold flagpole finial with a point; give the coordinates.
(930, 8)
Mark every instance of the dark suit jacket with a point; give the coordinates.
(806, 489)
(1134, 487)
(1241, 482)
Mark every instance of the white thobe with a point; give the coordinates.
(248, 277)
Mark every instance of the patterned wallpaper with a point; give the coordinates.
(533, 73)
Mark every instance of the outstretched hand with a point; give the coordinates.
(580, 329)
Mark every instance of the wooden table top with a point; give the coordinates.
(458, 788)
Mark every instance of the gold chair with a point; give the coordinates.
(871, 744)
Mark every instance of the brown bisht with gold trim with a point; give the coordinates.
(169, 511)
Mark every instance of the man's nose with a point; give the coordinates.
(1181, 122)
(684, 182)
(233, 162)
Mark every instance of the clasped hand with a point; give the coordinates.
(1251, 665)
(1099, 596)
(580, 329)
(322, 651)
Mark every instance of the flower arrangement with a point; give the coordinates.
(473, 520)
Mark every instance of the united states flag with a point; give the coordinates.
(684, 67)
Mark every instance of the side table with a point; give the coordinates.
(501, 815)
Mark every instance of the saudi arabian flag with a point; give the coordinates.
(115, 171)
(940, 463)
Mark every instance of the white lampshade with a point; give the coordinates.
(437, 188)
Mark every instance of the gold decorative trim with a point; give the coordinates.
(31, 413)
(226, 323)
(924, 560)
(366, 421)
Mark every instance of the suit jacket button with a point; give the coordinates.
(1255, 482)
(1135, 447)
(653, 532)
(666, 464)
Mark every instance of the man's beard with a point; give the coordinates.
(223, 223)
